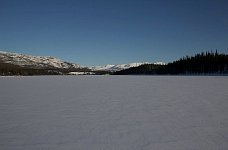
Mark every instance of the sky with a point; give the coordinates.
(99, 32)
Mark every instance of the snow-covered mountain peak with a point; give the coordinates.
(118, 67)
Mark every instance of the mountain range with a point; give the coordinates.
(24, 61)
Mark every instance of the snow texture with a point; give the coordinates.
(114, 113)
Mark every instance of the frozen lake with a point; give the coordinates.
(114, 113)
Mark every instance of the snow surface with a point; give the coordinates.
(114, 113)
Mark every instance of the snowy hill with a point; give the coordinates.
(113, 68)
(35, 62)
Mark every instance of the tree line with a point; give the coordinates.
(201, 63)
(11, 69)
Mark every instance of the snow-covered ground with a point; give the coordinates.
(114, 113)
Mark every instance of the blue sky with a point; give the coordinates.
(98, 32)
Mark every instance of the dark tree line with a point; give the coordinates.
(143, 69)
(203, 63)
(10, 69)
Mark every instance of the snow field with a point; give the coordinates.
(114, 113)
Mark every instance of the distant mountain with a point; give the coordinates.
(35, 62)
(21, 64)
(119, 67)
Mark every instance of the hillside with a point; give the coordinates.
(20, 64)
